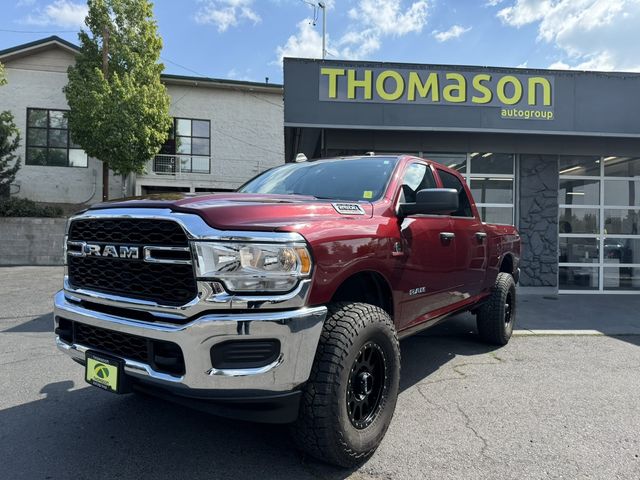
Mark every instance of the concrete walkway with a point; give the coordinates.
(564, 315)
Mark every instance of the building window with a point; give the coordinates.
(49, 142)
(187, 149)
(490, 177)
(598, 224)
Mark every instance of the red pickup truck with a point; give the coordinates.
(284, 301)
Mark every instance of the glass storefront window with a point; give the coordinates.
(578, 278)
(621, 278)
(492, 190)
(578, 220)
(621, 221)
(621, 193)
(579, 192)
(456, 161)
(579, 250)
(621, 166)
(588, 166)
(501, 215)
(493, 163)
(621, 250)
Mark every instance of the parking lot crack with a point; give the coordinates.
(469, 426)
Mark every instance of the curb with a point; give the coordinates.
(595, 333)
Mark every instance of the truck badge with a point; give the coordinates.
(348, 208)
(416, 291)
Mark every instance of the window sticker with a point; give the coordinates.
(367, 194)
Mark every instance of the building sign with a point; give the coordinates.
(514, 96)
(346, 95)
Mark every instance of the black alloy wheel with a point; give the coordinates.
(367, 383)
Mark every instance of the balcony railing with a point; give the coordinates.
(178, 164)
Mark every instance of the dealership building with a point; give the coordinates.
(556, 153)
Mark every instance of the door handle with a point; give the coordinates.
(446, 236)
(481, 236)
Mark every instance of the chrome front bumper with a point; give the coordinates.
(297, 330)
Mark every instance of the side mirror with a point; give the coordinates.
(435, 201)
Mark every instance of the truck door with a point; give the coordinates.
(425, 255)
(470, 239)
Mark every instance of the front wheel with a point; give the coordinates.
(350, 397)
(496, 317)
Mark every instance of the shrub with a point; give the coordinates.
(23, 207)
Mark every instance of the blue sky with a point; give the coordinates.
(246, 39)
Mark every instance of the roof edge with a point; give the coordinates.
(167, 77)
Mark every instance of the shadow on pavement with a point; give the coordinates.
(43, 323)
(88, 433)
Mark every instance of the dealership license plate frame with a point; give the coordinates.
(97, 364)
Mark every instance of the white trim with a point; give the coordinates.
(604, 292)
(334, 126)
(533, 332)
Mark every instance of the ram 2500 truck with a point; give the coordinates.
(284, 301)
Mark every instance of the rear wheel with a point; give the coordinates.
(496, 318)
(350, 397)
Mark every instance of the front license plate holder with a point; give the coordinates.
(104, 371)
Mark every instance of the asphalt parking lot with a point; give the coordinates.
(542, 407)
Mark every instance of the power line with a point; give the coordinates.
(38, 31)
(227, 134)
(213, 79)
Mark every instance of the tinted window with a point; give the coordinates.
(451, 181)
(416, 177)
(49, 142)
(341, 179)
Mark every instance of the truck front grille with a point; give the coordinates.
(163, 283)
(130, 231)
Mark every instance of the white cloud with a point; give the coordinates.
(456, 31)
(370, 22)
(306, 43)
(226, 13)
(591, 34)
(493, 3)
(62, 13)
(235, 74)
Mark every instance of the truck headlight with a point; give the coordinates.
(253, 267)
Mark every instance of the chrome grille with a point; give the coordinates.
(163, 283)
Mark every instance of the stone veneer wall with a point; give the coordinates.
(539, 220)
(32, 241)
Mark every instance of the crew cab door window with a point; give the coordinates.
(417, 177)
(471, 246)
(424, 267)
(451, 181)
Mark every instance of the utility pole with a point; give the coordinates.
(323, 6)
(105, 72)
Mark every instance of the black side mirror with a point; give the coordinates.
(435, 201)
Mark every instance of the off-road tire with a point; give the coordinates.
(324, 428)
(496, 318)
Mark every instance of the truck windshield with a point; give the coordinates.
(340, 179)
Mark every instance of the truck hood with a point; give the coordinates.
(244, 211)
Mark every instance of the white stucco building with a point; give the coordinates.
(225, 131)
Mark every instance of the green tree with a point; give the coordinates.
(119, 108)
(9, 141)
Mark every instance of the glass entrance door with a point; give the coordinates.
(599, 215)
